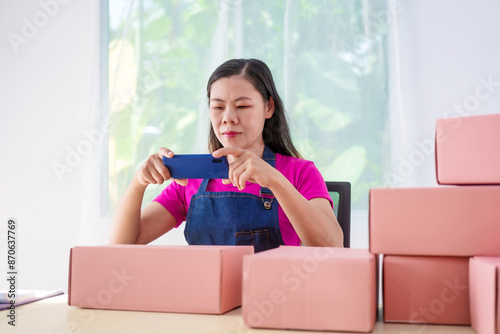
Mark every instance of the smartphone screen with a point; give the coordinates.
(197, 166)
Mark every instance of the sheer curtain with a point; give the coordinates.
(329, 60)
(363, 83)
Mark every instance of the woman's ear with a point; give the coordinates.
(270, 108)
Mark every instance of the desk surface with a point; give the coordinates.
(54, 316)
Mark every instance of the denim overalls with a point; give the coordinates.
(234, 218)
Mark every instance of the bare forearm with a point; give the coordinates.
(126, 224)
(313, 226)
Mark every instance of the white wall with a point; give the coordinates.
(47, 91)
(442, 49)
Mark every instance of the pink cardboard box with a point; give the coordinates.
(184, 279)
(484, 276)
(426, 289)
(310, 288)
(467, 150)
(441, 221)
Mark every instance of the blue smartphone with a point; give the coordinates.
(197, 166)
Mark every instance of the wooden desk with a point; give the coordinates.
(54, 316)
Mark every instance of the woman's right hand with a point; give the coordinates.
(153, 171)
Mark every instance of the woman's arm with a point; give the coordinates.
(313, 220)
(130, 224)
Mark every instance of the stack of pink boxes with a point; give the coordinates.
(440, 243)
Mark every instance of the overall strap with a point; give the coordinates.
(203, 187)
(270, 158)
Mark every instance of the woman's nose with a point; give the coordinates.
(230, 116)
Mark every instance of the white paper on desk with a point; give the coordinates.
(26, 296)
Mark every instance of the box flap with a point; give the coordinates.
(69, 275)
(483, 281)
(231, 276)
(436, 146)
(497, 278)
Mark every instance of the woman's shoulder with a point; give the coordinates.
(292, 163)
(303, 174)
(297, 170)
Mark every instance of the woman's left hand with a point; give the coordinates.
(247, 166)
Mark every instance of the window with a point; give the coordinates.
(328, 59)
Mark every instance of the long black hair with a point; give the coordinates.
(276, 133)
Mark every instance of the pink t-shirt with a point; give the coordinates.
(303, 174)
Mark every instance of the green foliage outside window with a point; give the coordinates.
(328, 59)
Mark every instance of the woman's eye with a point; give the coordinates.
(242, 107)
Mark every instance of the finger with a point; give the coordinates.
(146, 178)
(243, 178)
(234, 166)
(165, 152)
(240, 172)
(240, 183)
(234, 151)
(236, 163)
(238, 168)
(226, 181)
(232, 176)
(160, 167)
(237, 180)
(157, 177)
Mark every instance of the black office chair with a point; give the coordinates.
(340, 192)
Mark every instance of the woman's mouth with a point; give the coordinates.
(231, 134)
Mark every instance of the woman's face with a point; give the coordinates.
(238, 113)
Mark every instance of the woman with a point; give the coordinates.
(272, 196)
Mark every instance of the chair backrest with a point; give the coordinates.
(340, 192)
